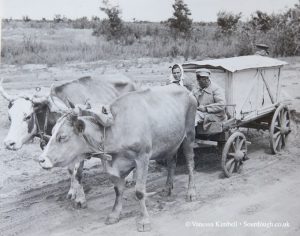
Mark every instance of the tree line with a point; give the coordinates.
(282, 30)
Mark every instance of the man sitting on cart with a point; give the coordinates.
(210, 99)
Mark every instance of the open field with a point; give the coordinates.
(32, 200)
(50, 43)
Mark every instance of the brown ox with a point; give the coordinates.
(137, 127)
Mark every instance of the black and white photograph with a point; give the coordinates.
(149, 117)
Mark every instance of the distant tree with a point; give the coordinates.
(95, 18)
(113, 26)
(7, 20)
(57, 18)
(261, 21)
(180, 22)
(228, 21)
(26, 18)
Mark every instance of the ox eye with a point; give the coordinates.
(27, 118)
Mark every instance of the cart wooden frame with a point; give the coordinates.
(252, 86)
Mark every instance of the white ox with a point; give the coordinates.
(35, 116)
(137, 127)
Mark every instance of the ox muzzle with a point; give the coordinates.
(45, 162)
(12, 145)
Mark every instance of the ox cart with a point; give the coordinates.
(252, 87)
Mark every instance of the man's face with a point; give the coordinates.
(203, 81)
(176, 73)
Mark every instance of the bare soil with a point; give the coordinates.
(33, 201)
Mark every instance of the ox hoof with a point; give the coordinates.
(130, 183)
(80, 204)
(77, 197)
(143, 225)
(70, 195)
(111, 220)
(191, 195)
(166, 192)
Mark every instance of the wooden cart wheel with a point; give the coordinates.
(280, 129)
(234, 154)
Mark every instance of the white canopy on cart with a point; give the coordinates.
(234, 64)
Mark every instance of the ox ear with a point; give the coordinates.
(79, 126)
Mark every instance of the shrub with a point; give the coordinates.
(228, 21)
(244, 42)
(285, 36)
(82, 23)
(174, 51)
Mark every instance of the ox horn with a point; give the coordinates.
(104, 117)
(5, 94)
(57, 105)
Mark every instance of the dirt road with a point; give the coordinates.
(263, 200)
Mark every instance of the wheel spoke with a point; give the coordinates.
(275, 136)
(233, 146)
(244, 150)
(283, 137)
(287, 120)
(287, 123)
(232, 166)
(237, 143)
(279, 119)
(241, 144)
(229, 164)
(283, 118)
(286, 115)
(237, 166)
(283, 113)
(277, 146)
(276, 127)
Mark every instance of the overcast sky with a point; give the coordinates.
(151, 10)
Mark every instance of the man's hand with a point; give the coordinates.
(201, 108)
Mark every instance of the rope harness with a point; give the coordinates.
(100, 151)
(44, 138)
